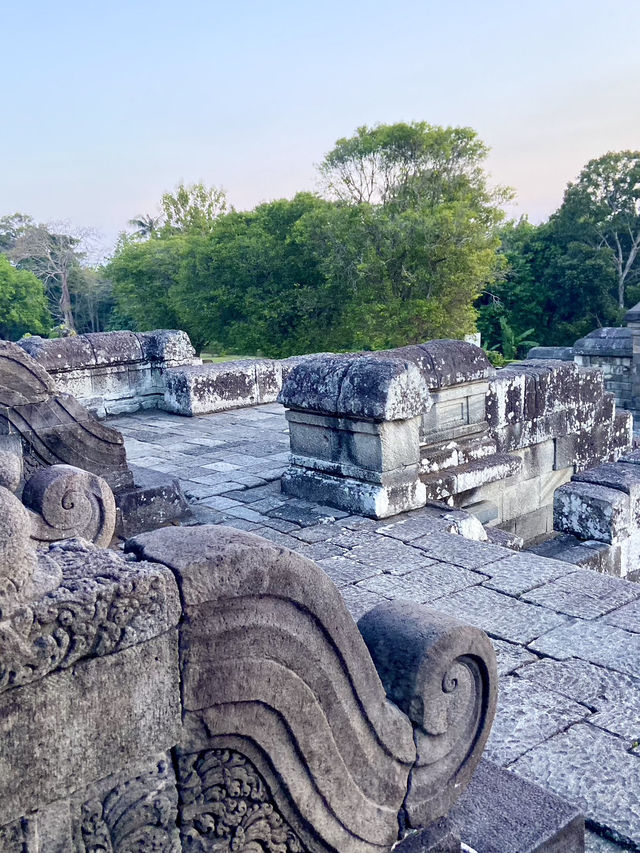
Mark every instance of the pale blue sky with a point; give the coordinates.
(106, 105)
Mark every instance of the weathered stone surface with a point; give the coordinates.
(460, 551)
(66, 502)
(583, 682)
(522, 572)
(605, 341)
(447, 362)
(597, 642)
(583, 593)
(528, 715)
(590, 511)
(576, 765)
(534, 822)
(72, 727)
(225, 801)
(154, 500)
(511, 657)
(555, 353)
(246, 672)
(500, 615)
(379, 388)
(442, 674)
(17, 554)
(425, 584)
(170, 346)
(102, 605)
(627, 617)
(440, 837)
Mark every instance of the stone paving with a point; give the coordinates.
(567, 639)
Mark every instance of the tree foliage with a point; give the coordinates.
(393, 261)
(23, 304)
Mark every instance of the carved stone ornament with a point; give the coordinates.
(226, 807)
(135, 816)
(67, 502)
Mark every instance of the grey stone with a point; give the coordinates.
(357, 386)
(528, 715)
(523, 571)
(583, 593)
(627, 617)
(511, 657)
(390, 556)
(344, 571)
(617, 475)
(557, 353)
(72, 727)
(591, 769)
(255, 617)
(590, 511)
(17, 553)
(439, 837)
(438, 671)
(596, 642)
(422, 585)
(534, 822)
(605, 341)
(501, 616)
(460, 551)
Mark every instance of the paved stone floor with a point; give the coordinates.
(567, 639)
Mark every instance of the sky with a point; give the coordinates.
(108, 105)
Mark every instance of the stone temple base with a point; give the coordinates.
(375, 500)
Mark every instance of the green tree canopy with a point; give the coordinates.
(602, 210)
(23, 304)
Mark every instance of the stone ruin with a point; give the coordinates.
(382, 433)
(207, 690)
(44, 426)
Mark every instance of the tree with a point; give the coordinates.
(145, 226)
(11, 228)
(52, 257)
(388, 162)
(23, 303)
(192, 208)
(603, 208)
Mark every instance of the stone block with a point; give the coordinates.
(590, 511)
(363, 387)
(594, 771)
(618, 475)
(376, 500)
(371, 447)
(439, 837)
(73, 727)
(537, 459)
(552, 480)
(535, 821)
(555, 353)
(154, 500)
(207, 388)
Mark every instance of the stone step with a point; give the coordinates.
(472, 475)
(439, 457)
(502, 813)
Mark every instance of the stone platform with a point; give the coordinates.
(567, 639)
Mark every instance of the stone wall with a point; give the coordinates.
(385, 432)
(163, 701)
(113, 372)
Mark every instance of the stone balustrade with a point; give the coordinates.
(113, 372)
(210, 691)
(380, 433)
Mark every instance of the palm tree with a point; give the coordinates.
(146, 225)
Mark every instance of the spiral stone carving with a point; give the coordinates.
(66, 502)
(442, 674)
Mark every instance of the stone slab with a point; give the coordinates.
(596, 642)
(500, 615)
(528, 715)
(535, 821)
(591, 511)
(74, 727)
(460, 551)
(423, 585)
(584, 593)
(591, 769)
(523, 571)
(627, 617)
